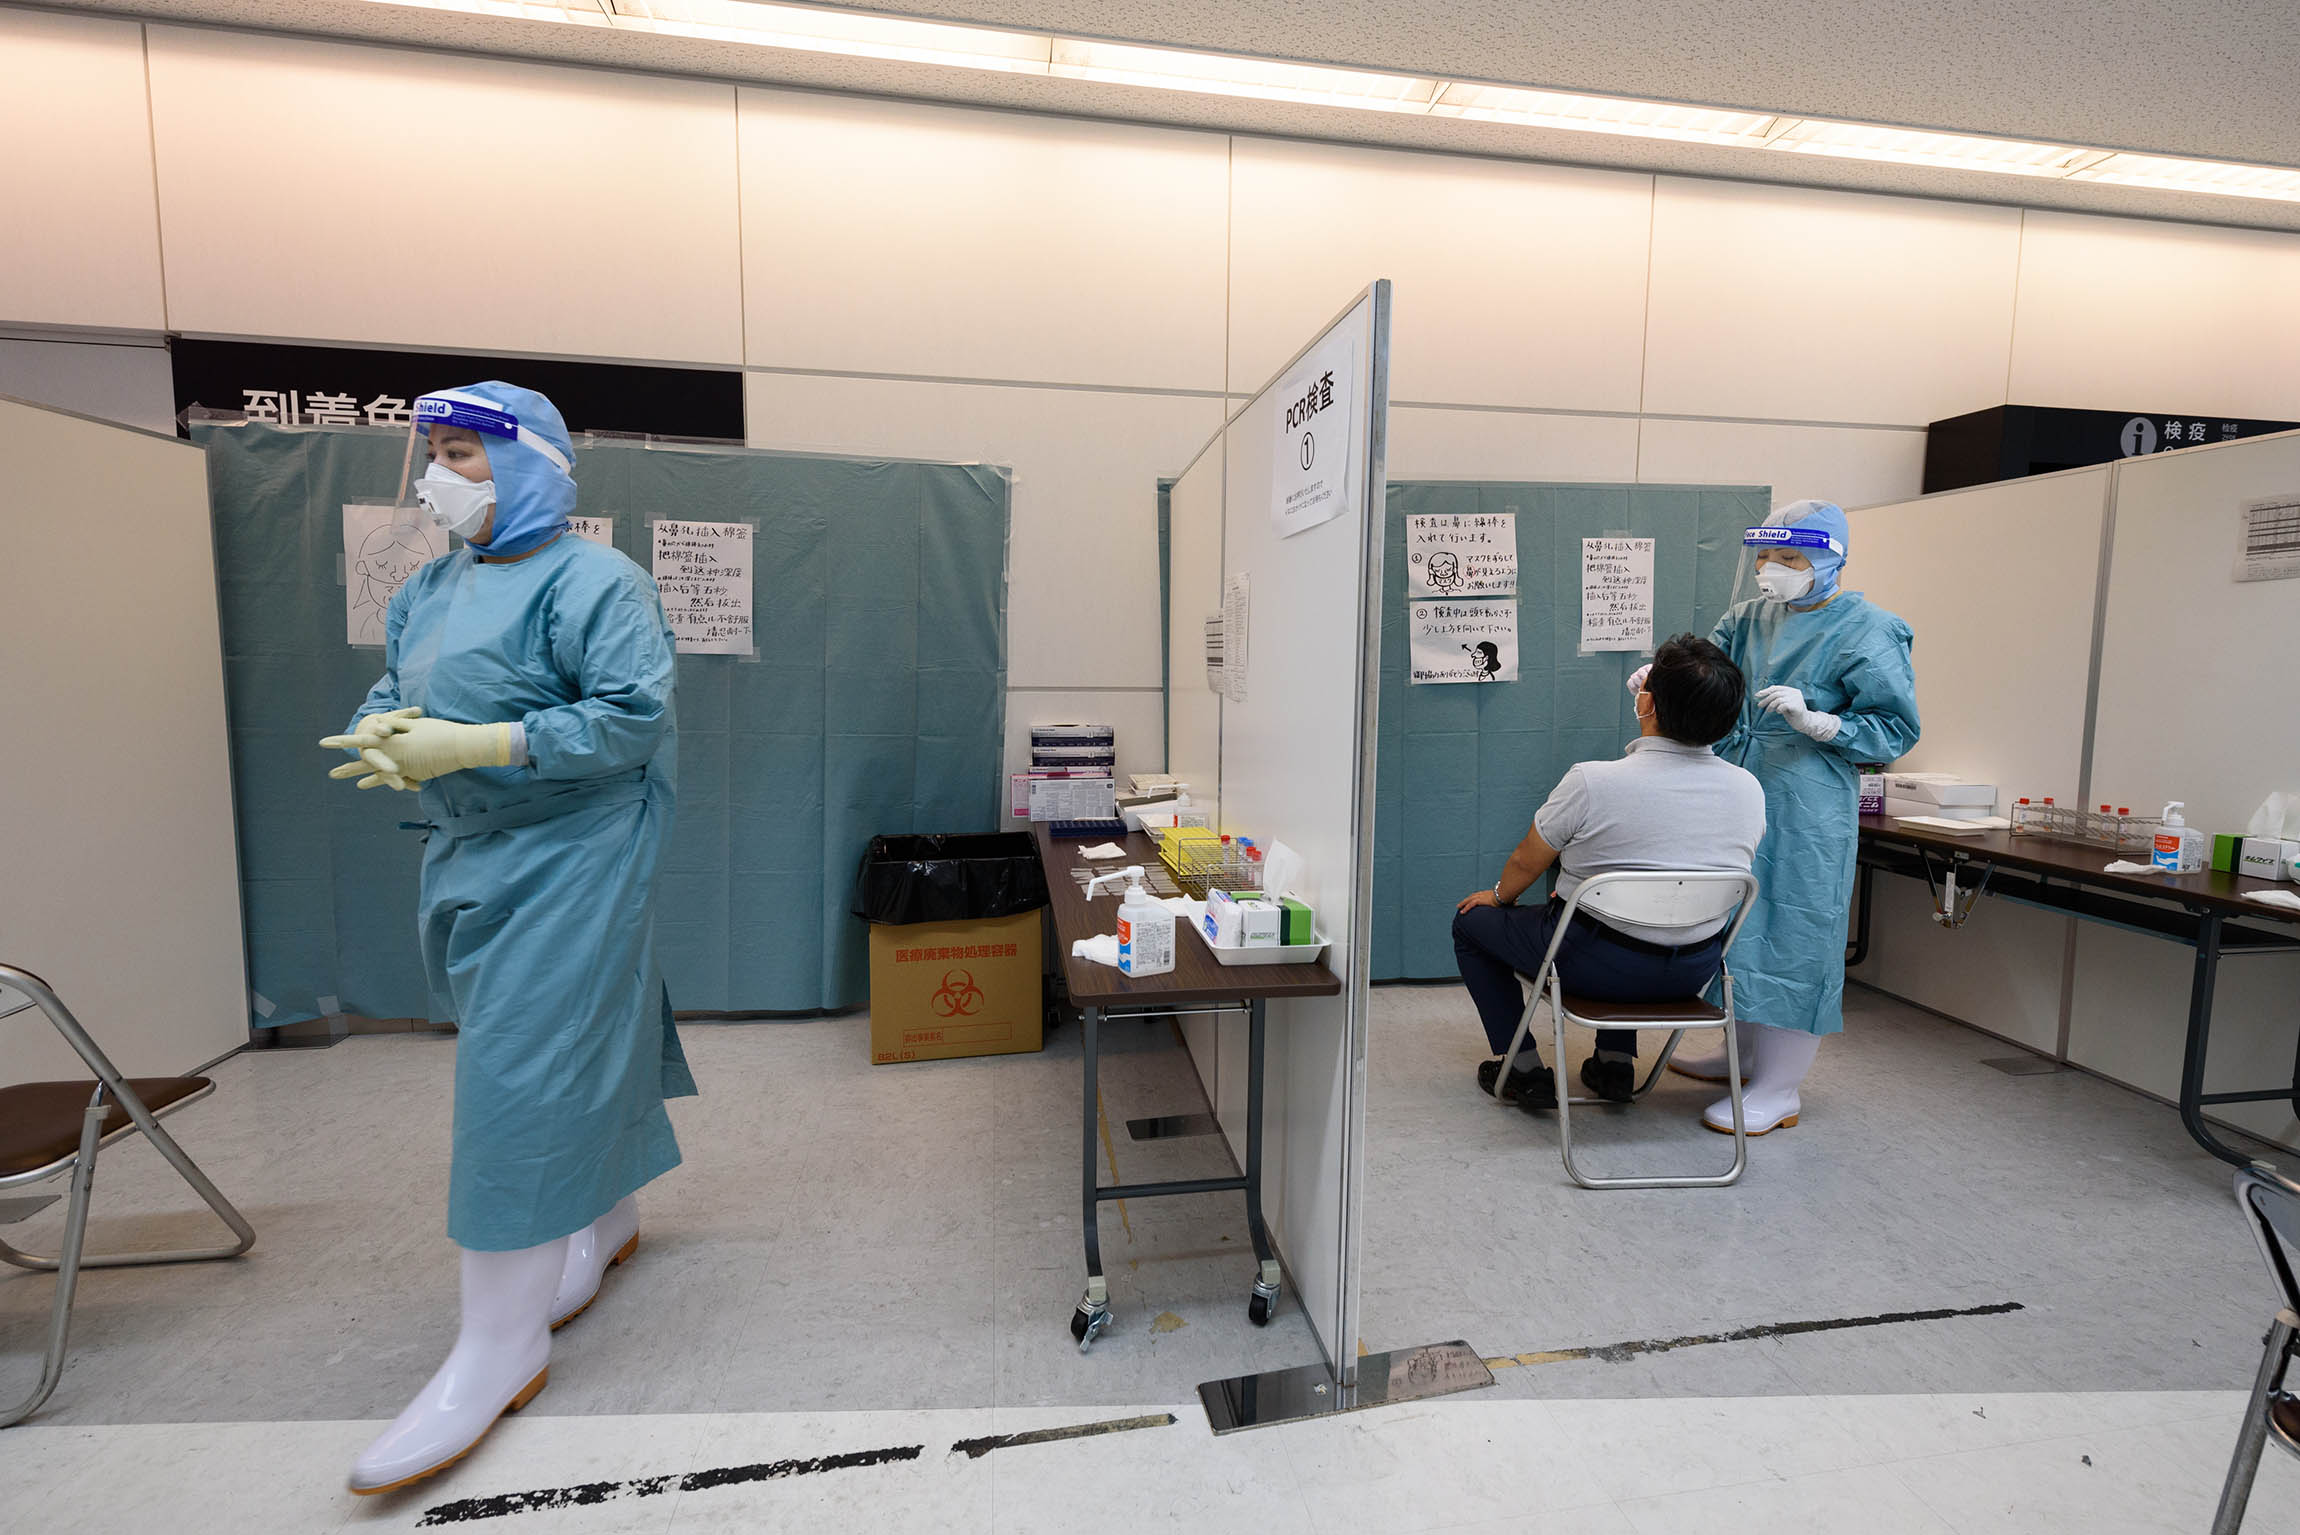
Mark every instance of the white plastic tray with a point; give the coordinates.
(1283, 954)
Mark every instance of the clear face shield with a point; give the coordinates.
(444, 473)
(1777, 575)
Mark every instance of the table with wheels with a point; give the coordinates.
(2206, 912)
(1197, 984)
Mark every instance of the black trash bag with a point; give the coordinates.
(949, 878)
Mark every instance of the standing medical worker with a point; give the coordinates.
(526, 693)
(1831, 687)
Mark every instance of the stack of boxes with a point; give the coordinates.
(1072, 775)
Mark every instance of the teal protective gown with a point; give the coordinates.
(538, 890)
(1850, 658)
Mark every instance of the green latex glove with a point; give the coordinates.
(420, 748)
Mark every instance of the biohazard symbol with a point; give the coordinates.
(959, 996)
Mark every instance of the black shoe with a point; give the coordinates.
(1533, 1080)
(1614, 1081)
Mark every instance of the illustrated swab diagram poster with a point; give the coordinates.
(382, 546)
(704, 572)
(1463, 641)
(1464, 556)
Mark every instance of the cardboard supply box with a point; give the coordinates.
(940, 990)
(2266, 858)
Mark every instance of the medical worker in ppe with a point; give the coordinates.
(527, 696)
(1831, 687)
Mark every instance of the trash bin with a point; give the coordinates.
(955, 956)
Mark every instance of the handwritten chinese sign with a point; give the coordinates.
(1616, 594)
(704, 572)
(1473, 556)
(1462, 641)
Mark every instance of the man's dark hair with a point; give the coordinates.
(1696, 691)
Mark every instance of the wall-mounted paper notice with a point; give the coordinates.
(1472, 556)
(1235, 624)
(382, 546)
(1310, 467)
(704, 572)
(1463, 641)
(2268, 547)
(594, 530)
(1616, 594)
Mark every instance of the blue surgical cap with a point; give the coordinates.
(524, 432)
(1822, 517)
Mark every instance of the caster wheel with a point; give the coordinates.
(1258, 1311)
(1086, 1326)
(1078, 1326)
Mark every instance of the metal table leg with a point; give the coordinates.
(2200, 1041)
(1864, 885)
(1093, 1313)
(1265, 1297)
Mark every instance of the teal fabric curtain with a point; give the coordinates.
(876, 704)
(1461, 768)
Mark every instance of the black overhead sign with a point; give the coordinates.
(353, 386)
(2006, 442)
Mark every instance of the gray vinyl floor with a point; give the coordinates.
(849, 1237)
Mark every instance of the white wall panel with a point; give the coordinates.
(2196, 686)
(2000, 683)
(1847, 465)
(127, 384)
(1516, 284)
(881, 237)
(1082, 574)
(586, 213)
(1800, 305)
(122, 885)
(2001, 971)
(80, 242)
(1430, 444)
(2123, 314)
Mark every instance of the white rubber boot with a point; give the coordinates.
(500, 1360)
(1781, 1058)
(591, 1252)
(1709, 1066)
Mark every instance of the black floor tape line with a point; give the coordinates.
(585, 1494)
(1618, 1353)
(975, 1449)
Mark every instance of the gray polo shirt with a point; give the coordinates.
(1663, 805)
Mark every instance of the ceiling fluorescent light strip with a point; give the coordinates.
(864, 35)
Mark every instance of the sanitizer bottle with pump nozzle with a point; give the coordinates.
(1145, 926)
(2180, 848)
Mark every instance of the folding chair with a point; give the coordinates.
(2271, 1205)
(1661, 898)
(47, 1128)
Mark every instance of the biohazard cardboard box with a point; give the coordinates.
(945, 989)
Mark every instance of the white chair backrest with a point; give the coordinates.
(1663, 898)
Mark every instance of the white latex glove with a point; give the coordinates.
(1789, 703)
(1637, 677)
(424, 748)
(373, 731)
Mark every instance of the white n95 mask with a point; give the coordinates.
(455, 503)
(1781, 584)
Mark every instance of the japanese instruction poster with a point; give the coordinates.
(1616, 594)
(1462, 641)
(382, 546)
(1472, 556)
(2268, 544)
(1236, 622)
(594, 530)
(1310, 467)
(704, 572)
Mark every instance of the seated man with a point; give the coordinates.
(1669, 803)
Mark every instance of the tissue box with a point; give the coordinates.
(1261, 924)
(1301, 923)
(2266, 858)
(1943, 791)
(1242, 920)
(1872, 794)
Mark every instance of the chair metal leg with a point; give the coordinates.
(2236, 1492)
(67, 1266)
(1702, 1181)
(1517, 1041)
(1659, 1066)
(191, 1174)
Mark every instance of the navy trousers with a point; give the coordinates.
(1494, 945)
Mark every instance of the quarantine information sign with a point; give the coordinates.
(1462, 641)
(1616, 594)
(704, 572)
(1309, 477)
